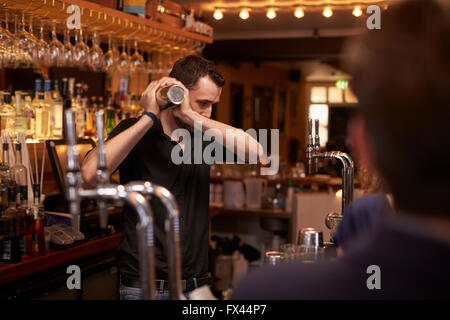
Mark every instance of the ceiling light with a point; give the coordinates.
(218, 14)
(357, 12)
(299, 13)
(244, 14)
(271, 14)
(327, 12)
(161, 8)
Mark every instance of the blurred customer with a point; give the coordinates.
(400, 75)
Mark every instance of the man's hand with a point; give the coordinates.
(148, 99)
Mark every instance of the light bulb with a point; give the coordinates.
(244, 14)
(299, 13)
(218, 14)
(357, 12)
(161, 8)
(327, 12)
(271, 14)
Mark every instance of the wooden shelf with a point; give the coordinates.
(266, 213)
(106, 21)
(13, 271)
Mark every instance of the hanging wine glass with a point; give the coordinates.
(6, 41)
(56, 49)
(22, 59)
(112, 56)
(124, 60)
(68, 49)
(137, 60)
(80, 51)
(43, 56)
(96, 59)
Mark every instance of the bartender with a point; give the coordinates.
(142, 148)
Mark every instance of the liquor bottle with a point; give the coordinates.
(38, 230)
(77, 107)
(11, 242)
(89, 111)
(37, 90)
(19, 172)
(100, 104)
(31, 117)
(42, 112)
(7, 117)
(110, 113)
(20, 122)
(25, 221)
(67, 100)
(5, 177)
(136, 109)
(57, 112)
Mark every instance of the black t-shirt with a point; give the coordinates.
(150, 160)
(413, 264)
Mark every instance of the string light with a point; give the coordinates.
(271, 14)
(244, 14)
(357, 12)
(161, 8)
(327, 12)
(218, 14)
(299, 13)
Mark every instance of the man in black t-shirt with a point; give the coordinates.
(142, 150)
(401, 77)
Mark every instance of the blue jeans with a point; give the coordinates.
(131, 293)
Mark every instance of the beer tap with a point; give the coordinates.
(112, 192)
(172, 229)
(313, 152)
(102, 169)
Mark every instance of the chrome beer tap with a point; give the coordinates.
(109, 192)
(172, 229)
(102, 169)
(313, 152)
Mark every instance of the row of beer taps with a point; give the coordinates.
(136, 195)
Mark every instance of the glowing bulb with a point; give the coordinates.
(161, 8)
(218, 14)
(299, 13)
(244, 14)
(357, 12)
(327, 12)
(271, 14)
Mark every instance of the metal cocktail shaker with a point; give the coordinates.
(170, 96)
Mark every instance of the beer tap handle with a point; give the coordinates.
(73, 177)
(310, 147)
(102, 170)
(317, 145)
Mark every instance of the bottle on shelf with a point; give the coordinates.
(21, 120)
(67, 99)
(5, 177)
(7, 115)
(11, 241)
(26, 225)
(77, 107)
(39, 222)
(89, 111)
(57, 112)
(110, 113)
(42, 112)
(31, 117)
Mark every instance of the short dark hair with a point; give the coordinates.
(189, 69)
(401, 75)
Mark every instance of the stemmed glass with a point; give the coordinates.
(56, 49)
(112, 56)
(80, 51)
(96, 60)
(124, 60)
(6, 41)
(21, 47)
(42, 55)
(137, 60)
(68, 48)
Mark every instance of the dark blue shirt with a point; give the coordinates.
(362, 217)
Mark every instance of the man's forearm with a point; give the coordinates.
(116, 149)
(244, 144)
